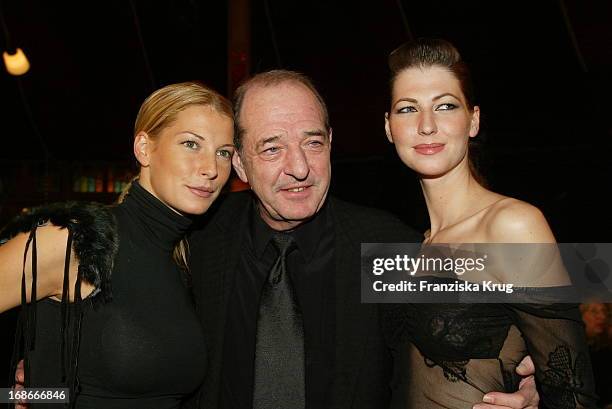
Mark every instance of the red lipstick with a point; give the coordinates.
(429, 148)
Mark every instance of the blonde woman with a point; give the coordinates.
(105, 310)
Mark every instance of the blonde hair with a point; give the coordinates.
(159, 110)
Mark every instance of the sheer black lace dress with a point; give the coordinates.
(450, 355)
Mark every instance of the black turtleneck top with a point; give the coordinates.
(144, 348)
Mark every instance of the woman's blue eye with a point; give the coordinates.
(446, 107)
(407, 109)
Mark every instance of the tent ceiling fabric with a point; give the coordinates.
(88, 75)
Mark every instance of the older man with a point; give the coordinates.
(322, 348)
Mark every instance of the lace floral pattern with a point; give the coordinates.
(564, 376)
(463, 339)
(454, 371)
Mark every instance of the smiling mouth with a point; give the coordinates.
(429, 148)
(295, 189)
(202, 192)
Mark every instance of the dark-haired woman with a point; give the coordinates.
(108, 315)
(451, 355)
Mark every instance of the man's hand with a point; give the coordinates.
(19, 380)
(525, 398)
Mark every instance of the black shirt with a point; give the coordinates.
(311, 267)
(145, 348)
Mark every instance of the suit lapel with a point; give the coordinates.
(217, 274)
(219, 268)
(221, 252)
(351, 315)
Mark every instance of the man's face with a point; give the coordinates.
(285, 154)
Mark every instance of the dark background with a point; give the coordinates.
(542, 71)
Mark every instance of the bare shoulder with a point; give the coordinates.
(514, 221)
(51, 237)
(49, 245)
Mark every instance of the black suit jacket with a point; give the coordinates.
(363, 363)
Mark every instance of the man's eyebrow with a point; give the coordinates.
(310, 132)
(269, 140)
(192, 133)
(315, 132)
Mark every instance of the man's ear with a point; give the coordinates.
(142, 148)
(239, 167)
(387, 128)
(475, 124)
(331, 131)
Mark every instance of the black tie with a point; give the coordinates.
(279, 346)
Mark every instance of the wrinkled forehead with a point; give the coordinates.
(288, 102)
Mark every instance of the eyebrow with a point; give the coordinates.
(437, 97)
(316, 132)
(406, 99)
(269, 140)
(446, 94)
(192, 133)
(275, 138)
